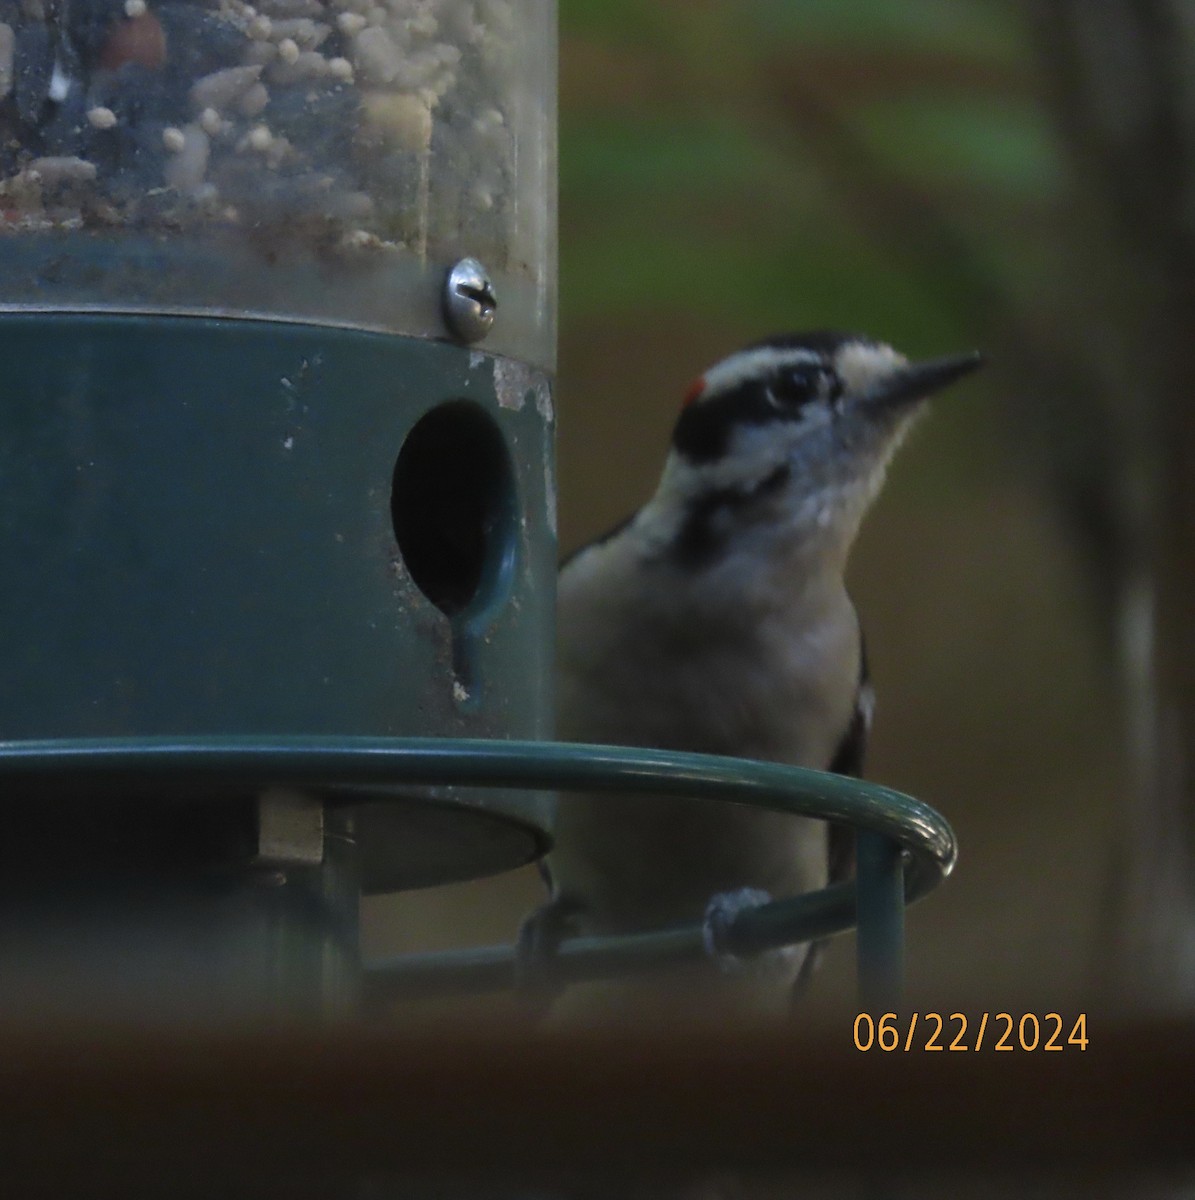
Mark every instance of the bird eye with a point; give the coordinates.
(795, 387)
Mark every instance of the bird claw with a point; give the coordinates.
(720, 914)
(540, 934)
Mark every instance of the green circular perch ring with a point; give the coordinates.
(905, 847)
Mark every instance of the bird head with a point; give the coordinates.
(789, 440)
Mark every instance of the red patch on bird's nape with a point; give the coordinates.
(694, 391)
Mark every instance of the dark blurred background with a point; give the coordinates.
(944, 175)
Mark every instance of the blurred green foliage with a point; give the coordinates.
(678, 121)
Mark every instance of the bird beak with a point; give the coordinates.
(919, 380)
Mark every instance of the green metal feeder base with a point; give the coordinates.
(217, 528)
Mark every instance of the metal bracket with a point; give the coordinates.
(290, 828)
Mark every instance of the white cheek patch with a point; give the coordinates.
(776, 439)
(861, 366)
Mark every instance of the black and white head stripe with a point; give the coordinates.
(772, 355)
(772, 380)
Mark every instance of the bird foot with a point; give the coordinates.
(720, 914)
(540, 934)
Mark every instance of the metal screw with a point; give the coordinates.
(469, 301)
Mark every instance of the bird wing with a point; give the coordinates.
(848, 760)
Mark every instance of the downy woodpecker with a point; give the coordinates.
(716, 619)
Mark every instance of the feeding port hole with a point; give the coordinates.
(453, 507)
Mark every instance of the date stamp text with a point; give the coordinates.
(931, 1031)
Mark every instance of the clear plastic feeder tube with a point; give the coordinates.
(309, 160)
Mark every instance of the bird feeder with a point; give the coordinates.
(276, 320)
(277, 534)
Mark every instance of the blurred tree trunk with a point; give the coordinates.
(1119, 77)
